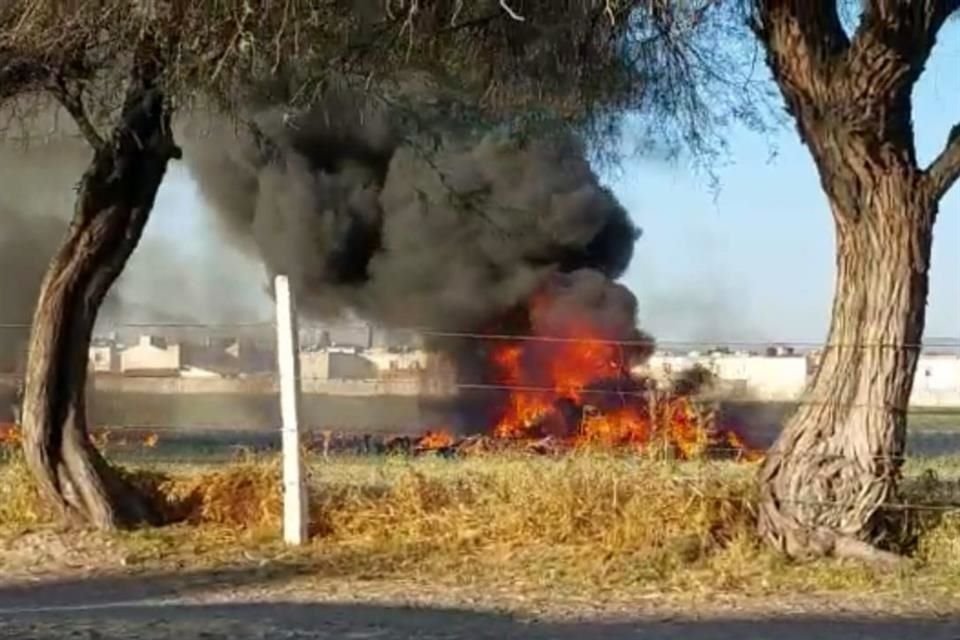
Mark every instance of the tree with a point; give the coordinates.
(837, 461)
(585, 61)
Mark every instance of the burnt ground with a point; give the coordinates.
(284, 603)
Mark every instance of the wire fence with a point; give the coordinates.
(194, 391)
(267, 327)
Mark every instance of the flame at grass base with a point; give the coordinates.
(571, 381)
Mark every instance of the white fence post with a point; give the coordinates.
(288, 360)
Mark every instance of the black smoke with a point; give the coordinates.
(451, 232)
(444, 231)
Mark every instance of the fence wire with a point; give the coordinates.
(152, 441)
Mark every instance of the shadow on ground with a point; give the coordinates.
(123, 589)
(151, 607)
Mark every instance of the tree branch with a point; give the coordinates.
(70, 96)
(803, 38)
(945, 169)
(910, 27)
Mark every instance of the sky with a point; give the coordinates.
(750, 261)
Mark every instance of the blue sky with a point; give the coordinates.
(755, 261)
(752, 262)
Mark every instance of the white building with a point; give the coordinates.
(398, 362)
(937, 381)
(104, 357)
(151, 356)
(783, 377)
(762, 377)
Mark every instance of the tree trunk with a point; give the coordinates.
(114, 200)
(826, 479)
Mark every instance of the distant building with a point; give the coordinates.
(104, 357)
(320, 335)
(779, 376)
(357, 334)
(396, 339)
(764, 377)
(336, 364)
(397, 362)
(225, 357)
(783, 374)
(937, 381)
(151, 356)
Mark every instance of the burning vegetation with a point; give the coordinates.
(577, 390)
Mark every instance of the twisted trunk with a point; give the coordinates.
(838, 459)
(114, 201)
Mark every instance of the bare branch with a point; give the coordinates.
(945, 169)
(510, 12)
(70, 95)
(585, 61)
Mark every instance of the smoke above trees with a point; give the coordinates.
(449, 231)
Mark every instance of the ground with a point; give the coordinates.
(506, 548)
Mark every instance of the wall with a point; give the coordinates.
(146, 356)
(178, 385)
(662, 367)
(335, 365)
(104, 359)
(350, 366)
(781, 378)
(772, 378)
(937, 382)
(397, 362)
(764, 377)
(268, 384)
(388, 387)
(314, 365)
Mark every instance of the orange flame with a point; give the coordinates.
(579, 388)
(9, 435)
(433, 440)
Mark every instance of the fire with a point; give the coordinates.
(434, 440)
(9, 434)
(577, 388)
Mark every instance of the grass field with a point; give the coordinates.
(587, 526)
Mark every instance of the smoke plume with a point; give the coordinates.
(38, 176)
(455, 235)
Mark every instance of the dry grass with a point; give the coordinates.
(587, 524)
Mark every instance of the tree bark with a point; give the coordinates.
(827, 477)
(114, 200)
(837, 461)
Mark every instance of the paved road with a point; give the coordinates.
(293, 621)
(195, 606)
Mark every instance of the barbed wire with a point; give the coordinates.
(256, 386)
(939, 342)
